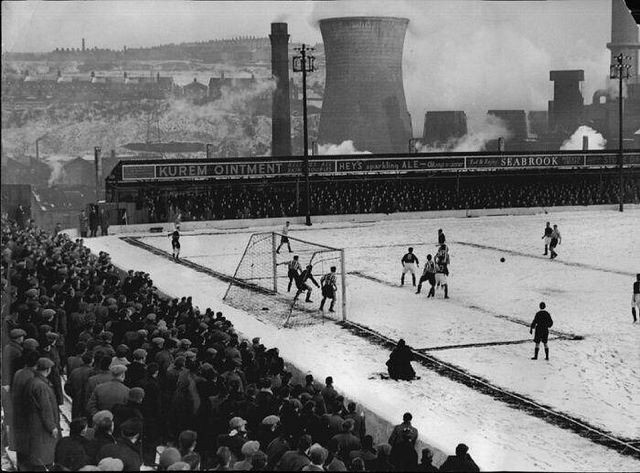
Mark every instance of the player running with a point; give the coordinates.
(635, 300)
(284, 238)
(428, 274)
(410, 264)
(294, 270)
(301, 283)
(175, 244)
(556, 239)
(547, 238)
(541, 323)
(329, 288)
(442, 239)
(442, 269)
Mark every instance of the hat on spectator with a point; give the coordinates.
(48, 313)
(101, 416)
(179, 466)
(31, 293)
(111, 301)
(157, 341)
(271, 420)
(168, 457)
(30, 344)
(384, 448)
(44, 364)
(256, 340)
(190, 354)
(110, 464)
(139, 354)
(143, 332)
(185, 342)
(151, 316)
(136, 395)
(131, 427)
(117, 370)
(237, 423)
(17, 333)
(347, 425)
(250, 448)
(212, 351)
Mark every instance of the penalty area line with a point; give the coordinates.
(485, 344)
(529, 255)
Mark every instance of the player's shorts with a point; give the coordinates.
(409, 267)
(635, 300)
(547, 240)
(292, 274)
(175, 245)
(328, 292)
(284, 239)
(303, 287)
(441, 279)
(553, 243)
(541, 335)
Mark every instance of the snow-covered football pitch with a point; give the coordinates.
(477, 382)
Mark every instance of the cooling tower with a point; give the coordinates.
(441, 127)
(364, 96)
(280, 111)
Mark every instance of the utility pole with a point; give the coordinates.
(305, 63)
(96, 158)
(620, 70)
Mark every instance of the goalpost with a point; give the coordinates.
(261, 284)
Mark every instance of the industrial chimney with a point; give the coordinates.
(280, 112)
(364, 97)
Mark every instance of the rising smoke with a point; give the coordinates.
(596, 140)
(481, 131)
(346, 147)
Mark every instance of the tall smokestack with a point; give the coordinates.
(280, 112)
(82, 44)
(364, 97)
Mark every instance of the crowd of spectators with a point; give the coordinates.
(158, 382)
(386, 196)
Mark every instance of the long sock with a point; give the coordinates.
(633, 312)
(535, 353)
(289, 287)
(546, 353)
(402, 280)
(419, 288)
(446, 291)
(331, 306)
(322, 304)
(546, 249)
(413, 279)
(432, 292)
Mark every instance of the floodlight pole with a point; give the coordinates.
(305, 63)
(620, 70)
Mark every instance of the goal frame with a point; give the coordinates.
(275, 239)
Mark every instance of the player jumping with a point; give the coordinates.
(547, 238)
(556, 239)
(442, 269)
(284, 238)
(294, 270)
(541, 323)
(428, 274)
(410, 263)
(635, 300)
(329, 288)
(175, 243)
(301, 283)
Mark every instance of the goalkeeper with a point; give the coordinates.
(301, 283)
(329, 288)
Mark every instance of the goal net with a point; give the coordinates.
(261, 284)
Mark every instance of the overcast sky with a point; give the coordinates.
(497, 52)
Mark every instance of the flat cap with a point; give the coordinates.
(48, 313)
(117, 370)
(30, 344)
(131, 427)
(100, 416)
(111, 464)
(237, 423)
(17, 333)
(44, 364)
(31, 293)
(139, 353)
(157, 340)
(185, 342)
(136, 395)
